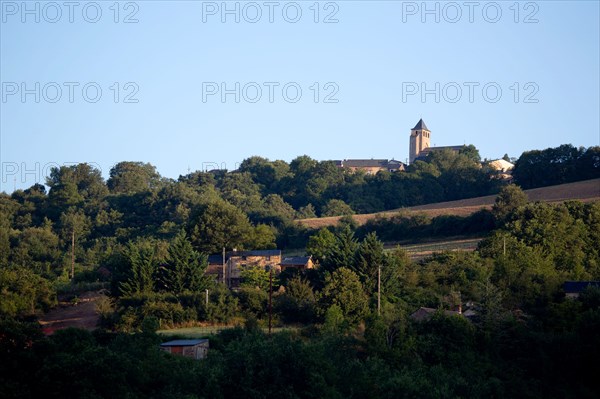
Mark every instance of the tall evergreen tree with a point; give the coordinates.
(185, 267)
(142, 267)
(369, 257)
(343, 253)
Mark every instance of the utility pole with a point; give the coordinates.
(379, 290)
(270, 297)
(223, 265)
(207, 297)
(72, 253)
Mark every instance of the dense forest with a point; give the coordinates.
(145, 240)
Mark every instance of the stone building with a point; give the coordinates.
(420, 143)
(231, 264)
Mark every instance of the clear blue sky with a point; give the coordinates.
(375, 56)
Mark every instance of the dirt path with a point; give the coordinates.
(82, 315)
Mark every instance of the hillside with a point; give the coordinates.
(588, 190)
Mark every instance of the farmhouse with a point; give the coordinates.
(228, 267)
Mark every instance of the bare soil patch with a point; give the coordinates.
(80, 315)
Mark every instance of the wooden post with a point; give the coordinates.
(224, 282)
(270, 297)
(72, 253)
(379, 290)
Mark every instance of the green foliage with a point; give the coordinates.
(38, 250)
(255, 277)
(557, 165)
(184, 268)
(220, 225)
(223, 306)
(24, 293)
(142, 264)
(344, 289)
(508, 201)
(262, 237)
(336, 207)
(369, 258)
(253, 301)
(342, 253)
(320, 244)
(132, 177)
(298, 302)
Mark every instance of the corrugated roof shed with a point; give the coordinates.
(184, 342)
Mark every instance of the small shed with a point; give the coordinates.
(192, 348)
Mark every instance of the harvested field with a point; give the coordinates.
(588, 190)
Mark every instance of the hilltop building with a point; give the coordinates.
(371, 166)
(420, 143)
(503, 168)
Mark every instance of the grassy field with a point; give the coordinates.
(205, 331)
(588, 190)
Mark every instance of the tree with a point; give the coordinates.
(69, 185)
(141, 264)
(343, 288)
(38, 250)
(369, 257)
(262, 237)
(557, 165)
(343, 252)
(5, 228)
(184, 269)
(220, 225)
(336, 207)
(320, 244)
(255, 277)
(297, 304)
(471, 152)
(24, 293)
(306, 212)
(508, 200)
(132, 177)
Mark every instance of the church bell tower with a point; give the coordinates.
(419, 140)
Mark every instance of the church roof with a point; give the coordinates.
(420, 126)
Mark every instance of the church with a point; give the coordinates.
(419, 148)
(420, 138)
